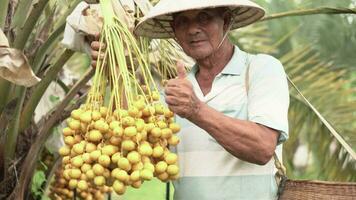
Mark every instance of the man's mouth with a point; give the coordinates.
(196, 42)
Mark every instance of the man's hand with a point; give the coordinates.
(95, 46)
(180, 95)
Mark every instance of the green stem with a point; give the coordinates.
(315, 11)
(39, 90)
(11, 136)
(3, 12)
(21, 13)
(25, 31)
(35, 150)
(63, 85)
(49, 44)
(5, 88)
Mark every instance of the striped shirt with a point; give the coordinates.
(208, 171)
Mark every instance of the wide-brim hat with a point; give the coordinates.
(156, 23)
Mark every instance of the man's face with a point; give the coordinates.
(199, 32)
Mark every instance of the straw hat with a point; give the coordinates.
(156, 23)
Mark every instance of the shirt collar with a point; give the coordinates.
(233, 67)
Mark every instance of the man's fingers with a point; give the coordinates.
(95, 45)
(182, 73)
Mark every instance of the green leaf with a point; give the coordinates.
(53, 98)
(38, 179)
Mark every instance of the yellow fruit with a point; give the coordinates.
(101, 125)
(156, 132)
(162, 124)
(66, 173)
(77, 138)
(109, 150)
(146, 174)
(115, 140)
(140, 125)
(149, 126)
(98, 169)
(135, 176)
(171, 158)
(137, 166)
(104, 160)
(148, 111)
(72, 183)
(174, 127)
(115, 157)
(86, 117)
(133, 112)
(69, 140)
(136, 184)
(74, 173)
(159, 109)
(75, 114)
(95, 136)
(86, 158)
(67, 131)
(163, 177)
(166, 133)
(99, 181)
(77, 161)
(174, 140)
(82, 185)
(94, 155)
(130, 131)
(114, 124)
(133, 157)
(122, 176)
(103, 111)
(78, 148)
(168, 113)
(155, 95)
(172, 170)
(128, 145)
(74, 124)
(128, 121)
(119, 187)
(90, 174)
(90, 147)
(95, 115)
(145, 150)
(160, 167)
(124, 164)
(64, 151)
(174, 177)
(85, 167)
(157, 152)
(118, 131)
(149, 166)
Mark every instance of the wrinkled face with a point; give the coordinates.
(199, 32)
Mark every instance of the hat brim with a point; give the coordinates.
(156, 24)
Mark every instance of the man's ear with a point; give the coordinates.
(227, 16)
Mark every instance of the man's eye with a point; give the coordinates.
(204, 17)
(180, 21)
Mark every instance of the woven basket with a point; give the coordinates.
(321, 190)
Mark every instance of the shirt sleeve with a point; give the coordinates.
(268, 95)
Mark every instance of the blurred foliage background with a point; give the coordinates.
(317, 51)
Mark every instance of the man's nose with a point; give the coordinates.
(193, 27)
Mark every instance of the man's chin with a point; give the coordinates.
(198, 55)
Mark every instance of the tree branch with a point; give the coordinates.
(34, 152)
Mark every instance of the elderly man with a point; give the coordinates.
(232, 105)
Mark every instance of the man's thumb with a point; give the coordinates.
(181, 70)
